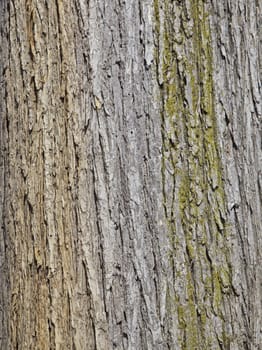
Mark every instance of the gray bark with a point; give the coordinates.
(131, 175)
(237, 76)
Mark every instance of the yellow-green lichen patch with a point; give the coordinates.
(195, 200)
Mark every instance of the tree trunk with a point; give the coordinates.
(131, 175)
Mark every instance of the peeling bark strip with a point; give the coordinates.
(130, 174)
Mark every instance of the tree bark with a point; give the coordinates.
(131, 175)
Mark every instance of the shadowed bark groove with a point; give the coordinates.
(130, 169)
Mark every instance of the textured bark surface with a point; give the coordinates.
(237, 77)
(131, 175)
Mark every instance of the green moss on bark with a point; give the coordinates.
(190, 148)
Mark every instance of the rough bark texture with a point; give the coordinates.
(130, 175)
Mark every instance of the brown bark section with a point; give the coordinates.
(44, 145)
